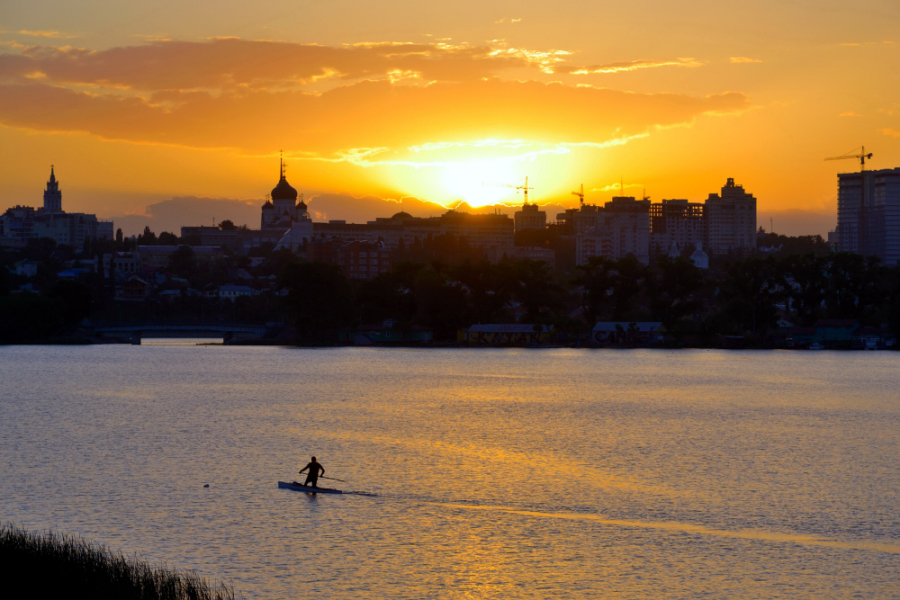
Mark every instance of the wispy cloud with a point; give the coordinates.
(630, 65)
(891, 132)
(44, 34)
(231, 62)
(856, 44)
(614, 187)
(850, 113)
(744, 59)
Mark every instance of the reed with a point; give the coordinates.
(60, 566)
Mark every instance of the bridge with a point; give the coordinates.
(228, 332)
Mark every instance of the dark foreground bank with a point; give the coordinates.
(61, 566)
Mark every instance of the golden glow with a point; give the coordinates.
(443, 107)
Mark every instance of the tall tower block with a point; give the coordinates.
(52, 195)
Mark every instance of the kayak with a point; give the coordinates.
(299, 487)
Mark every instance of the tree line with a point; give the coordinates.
(443, 284)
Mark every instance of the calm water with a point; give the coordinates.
(498, 473)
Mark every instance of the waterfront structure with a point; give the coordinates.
(869, 214)
(21, 223)
(388, 331)
(621, 333)
(731, 219)
(506, 335)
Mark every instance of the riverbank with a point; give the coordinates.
(59, 566)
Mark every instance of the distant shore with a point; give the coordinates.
(730, 344)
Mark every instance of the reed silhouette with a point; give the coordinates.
(52, 565)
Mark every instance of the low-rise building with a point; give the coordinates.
(506, 335)
(388, 331)
(361, 260)
(232, 292)
(621, 333)
(151, 258)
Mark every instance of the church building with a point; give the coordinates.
(282, 212)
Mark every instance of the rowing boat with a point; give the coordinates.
(299, 487)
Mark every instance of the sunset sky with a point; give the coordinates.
(180, 108)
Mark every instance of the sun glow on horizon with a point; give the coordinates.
(482, 173)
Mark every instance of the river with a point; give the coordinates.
(481, 473)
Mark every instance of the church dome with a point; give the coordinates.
(301, 205)
(402, 215)
(284, 191)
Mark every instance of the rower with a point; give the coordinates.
(315, 469)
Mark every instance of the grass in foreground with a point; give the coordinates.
(62, 566)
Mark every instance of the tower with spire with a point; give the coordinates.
(52, 195)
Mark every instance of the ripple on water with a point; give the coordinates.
(484, 473)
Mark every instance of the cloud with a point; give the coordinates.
(744, 59)
(385, 102)
(325, 207)
(366, 115)
(43, 34)
(170, 215)
(850, 113)
(891, 132)
(856, 44)
(615, 187)
(624, 66)
(230, 63)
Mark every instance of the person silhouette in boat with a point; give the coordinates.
(315, 469)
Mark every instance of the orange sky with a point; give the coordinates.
(376, 102)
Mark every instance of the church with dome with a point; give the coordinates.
(282, 212)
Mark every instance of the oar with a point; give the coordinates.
(331, 478)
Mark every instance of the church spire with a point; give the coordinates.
(52, 195)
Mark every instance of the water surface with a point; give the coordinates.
(486, 473)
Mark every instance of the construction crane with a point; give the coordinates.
(515, 187)
(525, 188)
(580, 194)
(863, 224)
(862, 156)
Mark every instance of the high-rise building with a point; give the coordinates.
(620, 228)
(869, 214)
(676, 222)
(530, 217)
(21, 223)
(731, 219)
(52, 195)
